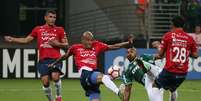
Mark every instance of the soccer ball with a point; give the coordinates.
(114, 71)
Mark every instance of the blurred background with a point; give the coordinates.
(109, 20)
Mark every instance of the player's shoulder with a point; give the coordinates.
(59, 27)
(40, 27)
(168, 34)
(95, 42)
(76, 46)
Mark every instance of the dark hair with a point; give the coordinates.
(178, 21)
(50, 11)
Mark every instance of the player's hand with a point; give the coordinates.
(53, 42)
(50, 65)
(156, 44)
(131, 38)
(8, 38)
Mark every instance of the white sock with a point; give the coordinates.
(173, 96)
(58, 88)
(48, 93)
(110, 84)
(156, 95)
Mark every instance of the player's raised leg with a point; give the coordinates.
(154, 94)
(98, 77)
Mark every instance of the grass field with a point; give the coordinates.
(30, 90)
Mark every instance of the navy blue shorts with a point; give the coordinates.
(88, 82)
(43, 69)
(169, 81)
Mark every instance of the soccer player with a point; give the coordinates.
(50, 38)
(177, 46)
(85, 56)
(142, 71)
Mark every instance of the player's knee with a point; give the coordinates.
(46, 85)
(45, 80)
(55, 76)
(99, 77)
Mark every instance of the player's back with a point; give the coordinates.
(178, 46)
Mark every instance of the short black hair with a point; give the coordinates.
(178, 21)
(50, 11)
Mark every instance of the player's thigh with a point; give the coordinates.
(45, 79)
(42, 68)
(56, 71)
(88, 84)
(169, 81)
(155, 70)
(148, 81)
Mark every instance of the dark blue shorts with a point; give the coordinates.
(43, 69)
(169, 81)
(88, 82)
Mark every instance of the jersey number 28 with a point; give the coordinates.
(180, 54)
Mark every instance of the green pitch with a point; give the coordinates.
(31, 90)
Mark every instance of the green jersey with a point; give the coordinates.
(135, 71)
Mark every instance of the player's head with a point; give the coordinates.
(87, 38)
(131, 53)
(50, 17)
(177, 22)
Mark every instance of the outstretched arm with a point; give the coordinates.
(56, 43)
(122, 44)
(118, 45)
(25, 40)
(65, 56)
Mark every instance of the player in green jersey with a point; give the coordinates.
(141, 70)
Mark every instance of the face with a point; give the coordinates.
(87, 41)
(131, 54)
(50, 19)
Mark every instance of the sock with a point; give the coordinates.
(156, 95)
(48, 93)
(58, 88)
(173, 96)
(110, 84)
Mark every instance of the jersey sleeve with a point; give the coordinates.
(34, 32)
(62, 33)
(102, 46)
(72, 50)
